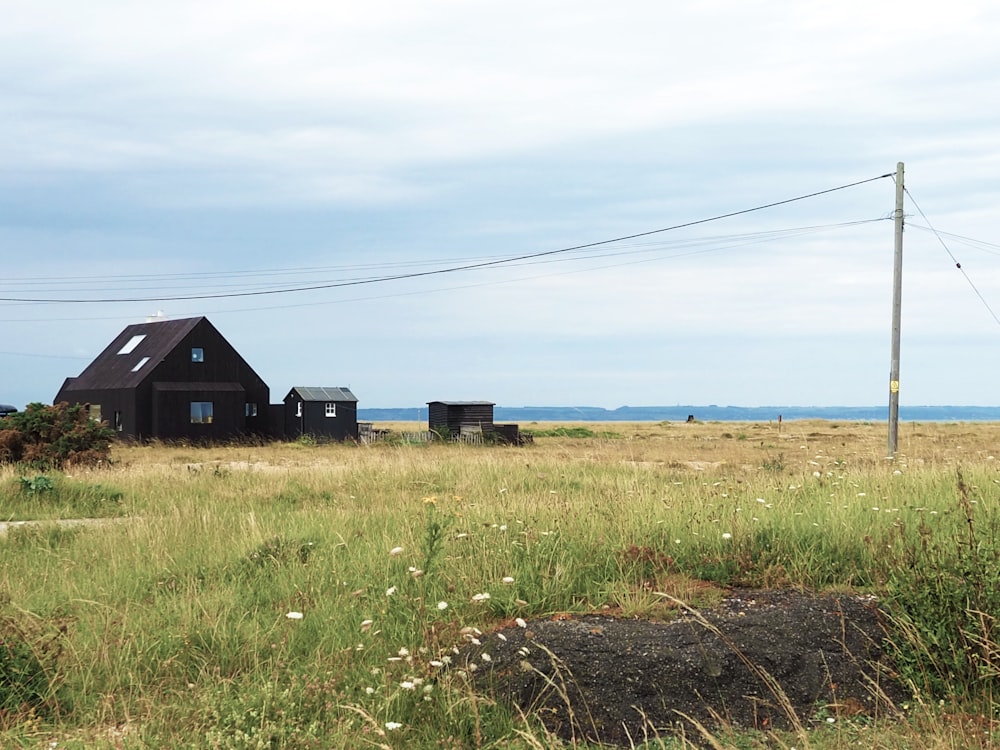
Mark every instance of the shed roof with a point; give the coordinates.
(134, 352)
(464, 403)
(320, 393)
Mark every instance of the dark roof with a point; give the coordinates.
(463, 403)
(6, 409)
(323, 394)
(110, 369)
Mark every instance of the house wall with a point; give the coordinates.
(110, 401)
(172, 414)
(220, 363)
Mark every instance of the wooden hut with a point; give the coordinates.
(322, 413)
(454, 418)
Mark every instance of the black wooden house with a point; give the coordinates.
(455, 417)
(322, 413)
(172, 379)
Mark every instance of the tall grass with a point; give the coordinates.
(179, 623)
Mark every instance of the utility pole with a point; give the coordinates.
(897, 298)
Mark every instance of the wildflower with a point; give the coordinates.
(430, 500)
(727, 535)
(366, 625)
(481, 597)
(396, 551)
(520, 622)
(446, 659)
(407, 685)
(370, 690)
(486, 657)
(404, 651)
(294, 615)
(392, 725)
(677, 541)
(508, 579)
(442, 605)
(436, 663)
(390, 591)
(502, 637)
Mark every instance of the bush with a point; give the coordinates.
(50, 437)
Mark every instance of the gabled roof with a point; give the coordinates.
(323, 394)
(133, 353)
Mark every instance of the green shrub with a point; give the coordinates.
(47, 437)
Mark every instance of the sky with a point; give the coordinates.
(156, 151)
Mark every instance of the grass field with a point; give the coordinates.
(310, 595)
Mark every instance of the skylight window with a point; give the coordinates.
(142, 361)
(132, 344)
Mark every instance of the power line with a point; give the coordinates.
(439, 271)
(953, 258)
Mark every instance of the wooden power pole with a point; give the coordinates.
(897, 298)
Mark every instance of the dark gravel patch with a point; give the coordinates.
(618, 681)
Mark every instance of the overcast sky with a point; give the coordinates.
(189, 149)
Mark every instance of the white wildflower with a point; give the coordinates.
(396, 551)
(294, 615)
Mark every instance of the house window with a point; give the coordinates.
(331, 409)
(197, 354)
(94, 412)
(118, 420)
(251, 410)
(142, 361)
(132, 344)
(298, 409)
(201, 412)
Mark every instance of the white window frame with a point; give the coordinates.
(331, 409)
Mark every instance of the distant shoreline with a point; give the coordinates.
(709, 413)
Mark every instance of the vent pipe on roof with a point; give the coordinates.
(159, 315)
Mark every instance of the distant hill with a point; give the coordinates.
(710, 413)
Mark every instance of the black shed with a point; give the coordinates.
(321, 412)
(453, 416)
(172, 379)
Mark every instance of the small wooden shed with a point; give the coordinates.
(323, 412)
(456, 417)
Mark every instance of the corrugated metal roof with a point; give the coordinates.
(320, 393)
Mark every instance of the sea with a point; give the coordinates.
(703, 413)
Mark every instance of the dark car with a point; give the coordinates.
(6, 409)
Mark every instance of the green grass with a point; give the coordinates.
(170, 627)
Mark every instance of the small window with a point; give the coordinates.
(142, 361)
(298, 409)
(251, 410)
(197, 354)
(132, 344)
(118, 421)
(201, 412)
(331, 409)
(94, 412)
